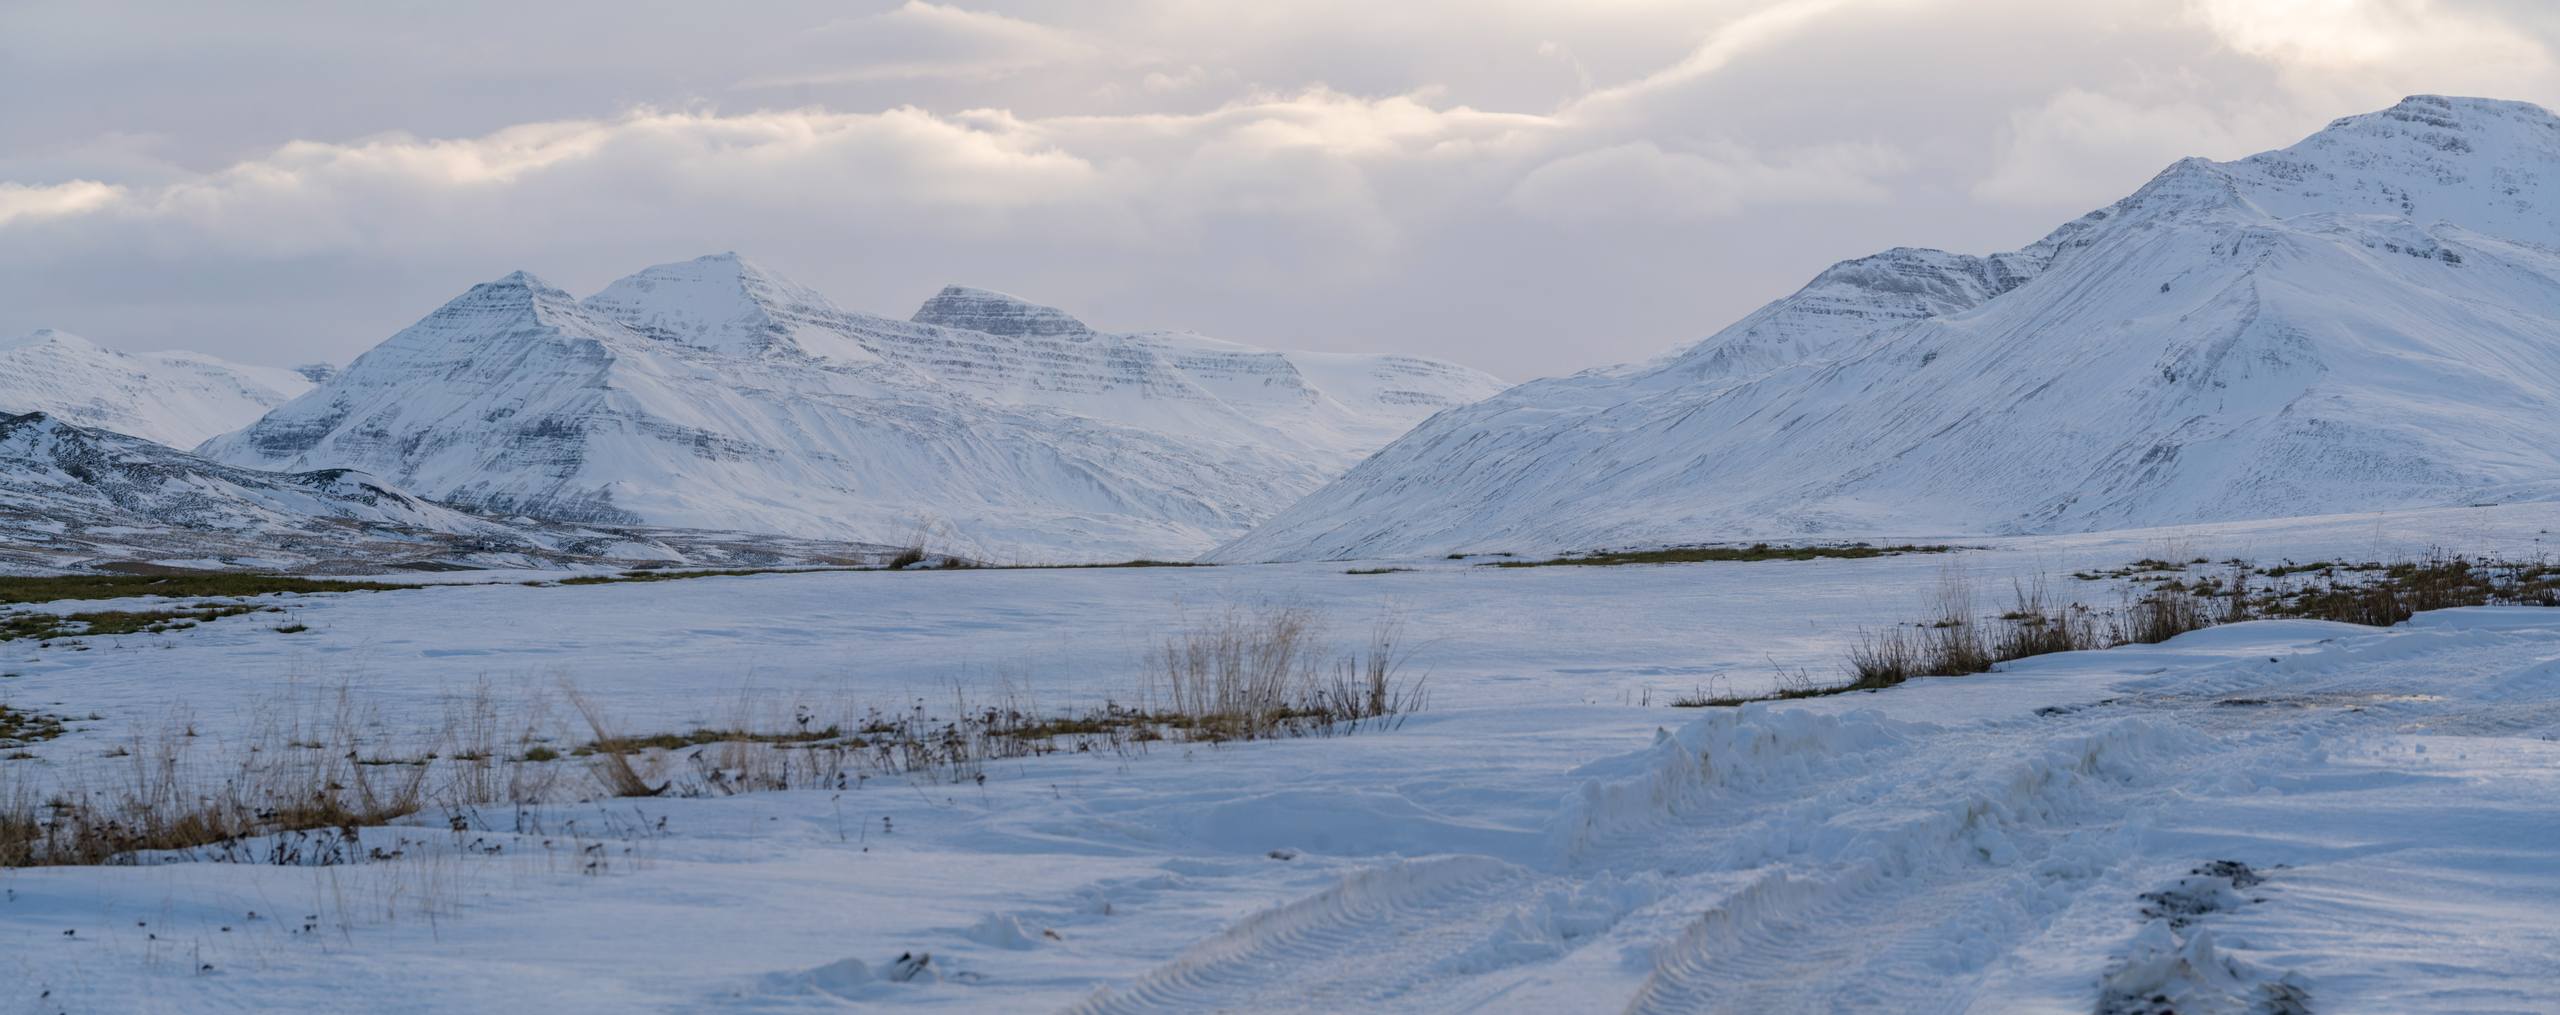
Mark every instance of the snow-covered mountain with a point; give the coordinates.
(176, 398)
(2368, 319)
(1326, 409)
(78, 498)
(713, 394)
(77, 493)
(1330, 408)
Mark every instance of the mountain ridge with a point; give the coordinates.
(173, 397)
(712, 393)
(86, 499)
(2327, 326)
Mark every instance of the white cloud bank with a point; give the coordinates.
(1527, 186)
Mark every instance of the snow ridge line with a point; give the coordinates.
(1268, 954)
(1807, 936)
(1752, 748)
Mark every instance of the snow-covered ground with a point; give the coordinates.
(1546, 836)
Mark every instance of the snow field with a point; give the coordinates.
(1539, 840)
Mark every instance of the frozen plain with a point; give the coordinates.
(1546, 836)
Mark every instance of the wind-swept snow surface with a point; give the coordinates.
(2245, 818)
(2361, 321)
(712, 394)
(175, 398)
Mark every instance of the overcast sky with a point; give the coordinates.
(1528, 186)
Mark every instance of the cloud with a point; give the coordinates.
(1750, 33)
(2348, 35)
(1641, 182)
(2373, 49)
(19, 201)
(2318, 59)
(2071, 151)
(1294, 189)
(929, 40)
(1527, 185)
(307, 196)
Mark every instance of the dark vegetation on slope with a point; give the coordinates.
(906, 560)
(210, 587)
(668, 576)
(40, 626)
(19, 727)
(43, 626)
(176, 585)
(1704, 554)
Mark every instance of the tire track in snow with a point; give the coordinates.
(1729, 793)
(1919, 904)
(1884, 865)
(1360, 940)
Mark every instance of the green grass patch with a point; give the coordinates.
(699, 737)
(18, 727)
(671, 575)
(1702, 700)
(39, 626)
(947, 564)
(186, 585)
(1705, 554)
(1140, 562)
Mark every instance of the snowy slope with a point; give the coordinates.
(712, 394)
(176, 398)
(79, 499)
(74, 492)
(1331, 408)
(2360, 321)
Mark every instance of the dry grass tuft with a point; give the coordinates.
(1956, 641)
(298, 785)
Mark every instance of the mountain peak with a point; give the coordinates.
(717, 301)
(2446, 124)
(520, 299)
(515, 292)
(727, 266)
(47, 336)
(995, 313)
(2419, 107)
(2475, 163)
(522, 279)
(32, 426)
(175, 398)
